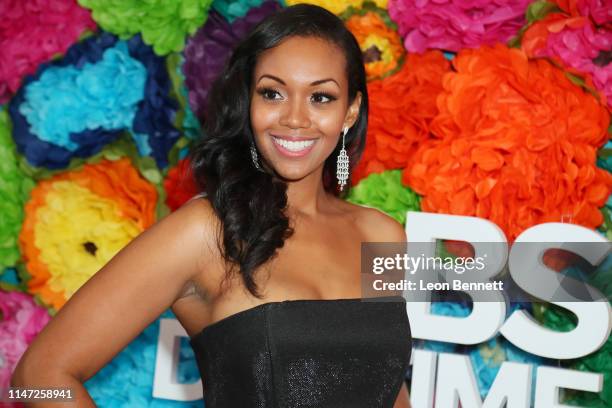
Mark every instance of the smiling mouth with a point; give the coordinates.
(293, 146)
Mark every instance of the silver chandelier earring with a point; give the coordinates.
(254, 157)
(342, 164)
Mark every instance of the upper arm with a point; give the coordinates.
(117, 303)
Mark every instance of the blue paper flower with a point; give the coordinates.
(67, 100)
(74, 106)
(454, 309)
(127, 380)
(488, 357)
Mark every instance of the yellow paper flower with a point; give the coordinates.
(338, 6)
(77, 221)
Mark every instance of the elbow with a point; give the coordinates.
(25, 371)
(33, 371)
(19, 377)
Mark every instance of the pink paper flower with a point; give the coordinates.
(456, 24)
(34, 31)
(600, 11)
(22, 320)
(578, 44)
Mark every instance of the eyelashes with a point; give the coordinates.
(268, 94)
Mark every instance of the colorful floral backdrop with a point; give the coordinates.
(499, 110)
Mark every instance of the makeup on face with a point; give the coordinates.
(298, 104)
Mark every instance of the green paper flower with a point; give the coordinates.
(386, 192)
(163, 24)
(14, 190)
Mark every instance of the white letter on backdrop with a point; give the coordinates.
(423, 229)
(594, 318)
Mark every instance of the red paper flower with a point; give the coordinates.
(179, 185)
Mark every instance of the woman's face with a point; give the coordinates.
(299, 104)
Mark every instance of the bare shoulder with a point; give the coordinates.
(376, 225)
(203, 227)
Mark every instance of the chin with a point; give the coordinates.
(292, 173)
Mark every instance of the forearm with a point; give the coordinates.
(403, 398)
(81, 399)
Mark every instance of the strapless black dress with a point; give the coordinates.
(306, 353)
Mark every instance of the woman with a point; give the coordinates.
(263, 269)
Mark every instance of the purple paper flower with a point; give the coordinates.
(455, 24)
(207, 51)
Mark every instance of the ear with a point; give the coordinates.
(353, 111)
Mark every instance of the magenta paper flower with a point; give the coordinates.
(455, 24)
(21, 321)
(34, 31)
(585, 49)
(600, 11)
(577, 43)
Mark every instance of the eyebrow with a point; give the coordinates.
(317, 82)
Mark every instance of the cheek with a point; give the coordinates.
(262, 117)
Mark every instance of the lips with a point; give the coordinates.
(293, 147)
(292, 138)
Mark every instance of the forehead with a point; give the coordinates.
(302, 59)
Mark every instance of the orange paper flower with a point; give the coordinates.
(401, 109)
(381, 44)
(77, 221)
(515, 142)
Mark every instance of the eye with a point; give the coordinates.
(268, 93)
(319, 95)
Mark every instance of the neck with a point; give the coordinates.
(307, 196)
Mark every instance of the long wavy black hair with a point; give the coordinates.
(250, 203)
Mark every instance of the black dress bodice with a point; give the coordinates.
(306, 353)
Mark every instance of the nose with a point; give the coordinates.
(295, 114)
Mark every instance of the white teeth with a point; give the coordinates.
(293, 146)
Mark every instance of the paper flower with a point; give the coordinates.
(74, 106)
(21, 319)
(401, 109)
(338, 6)
(444, 308)
(233, 9)
(385, 192)
(9, 279)
(574, 42)
(127, 380)
(207, 51)
(515, 142)
(14, 190)
(383, 52)
(190, 125)
(455, 24)
(34, 32)
(163, 24)
(600, 11)
(179, 185)
(488, 357)
(77, 221)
